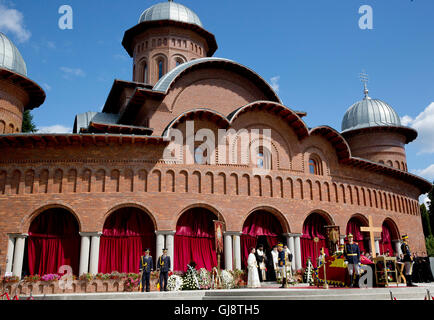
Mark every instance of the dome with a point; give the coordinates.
(170, 11)
(10, 57)
(370, 113)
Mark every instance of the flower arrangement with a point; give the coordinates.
(86, 277)
(115, 275)
(175, 283)
(50, 277)
(11, 279)
(204, 279)
(191, 279)
(240, 278)
(102, 276)
(32, 279)
(131, 283)
(227, 280)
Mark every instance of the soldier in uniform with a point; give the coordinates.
(146, 267)
(261, 259)
(408, 261)
(281, 263)
(352, 260)
(163, 265)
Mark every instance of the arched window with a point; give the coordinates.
(178, 61)
(145, 72)
(199, 157)
(160, 68)
(263, 159)
(315, 166)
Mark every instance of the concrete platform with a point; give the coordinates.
(269, 292)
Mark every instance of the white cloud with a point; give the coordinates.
(427, 173)
(424, 124)
(72, 72)
(12, 20)
(424, 199)
(58, 128)
(46, 86)
(275, 83)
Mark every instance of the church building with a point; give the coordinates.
(145, 172)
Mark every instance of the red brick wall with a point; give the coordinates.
(12, 101)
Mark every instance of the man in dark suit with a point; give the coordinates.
(282, 263)
(352, 260)
(163, 265)
(146, 267)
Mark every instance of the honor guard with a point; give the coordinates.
(163, 265)
(408, 261)
(146, 267)
(281, 263)
(352, 260)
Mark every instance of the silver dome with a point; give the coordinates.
(10, 57)
(370, 113)
(170, 11)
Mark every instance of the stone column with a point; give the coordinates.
(94, 252)
(228, 251)
(297, 253)
(20, 243)
(10, 254)
(170, 246)
(397, 244)
(291, 246)
(84, 252)
(237, 250)
(160, 243)
(377, 246)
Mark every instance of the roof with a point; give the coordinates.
(370, 113)
(10, 56)
(164, 84)
(83, 120)
(170, 11)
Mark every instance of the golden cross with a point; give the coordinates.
(371, 229)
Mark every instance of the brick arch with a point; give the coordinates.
(203, 205)
(393, 227)
(275, 212)
(328, 217)
(364, 221)
(126, 205)
(28, 219)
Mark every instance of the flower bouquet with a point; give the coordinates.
(32, 279)
(102, 276)
(11, 279)
(174, 283)
(227, 280)
(50, 277)
(115, 275)
(86, 277)
(204, 279)
(131, 283)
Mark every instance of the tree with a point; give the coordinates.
(426, 224)
(28, 124)
(429, 241)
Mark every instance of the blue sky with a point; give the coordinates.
(312, 51)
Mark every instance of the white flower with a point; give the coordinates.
(227, 279)
(174, 283)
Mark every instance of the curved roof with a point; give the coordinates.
(164, 84)
(370, 113)
(170, 11)
(83, 120)
(10, 56)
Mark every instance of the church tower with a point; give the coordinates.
(374, 132)
(17, 92)
(167, 35)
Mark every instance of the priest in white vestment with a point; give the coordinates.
(253, 275)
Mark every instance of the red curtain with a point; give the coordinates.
(386, 240)
(258, 224)
(53, 241)
(126, 233)
(195, 240)
(313, 227)
(353, 227)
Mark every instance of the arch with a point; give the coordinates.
(389, 234)
(350, 193)
(233, 184)
(194, 239)
(309, 184)
(127, 231)
(315, 165)
(29, 181)
(327, 191)
(100, 177)
(53, 241)
(209, 183)
(300, 189)
(353, 226)
(2, 127)
(261, 227)
(279, 188)
(291, 187)
(245, 185)
(170, 181)
(3, 181)
(313, 226)
(43, 181)
(344, 197)
(58, 181)
(196, 184)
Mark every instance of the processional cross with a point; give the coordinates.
(371, 229)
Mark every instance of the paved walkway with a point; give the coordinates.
(269, 291)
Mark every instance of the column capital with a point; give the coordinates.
(90, 234)
(18, 235)
(165, 232)
(232, 233)
(296, 235)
